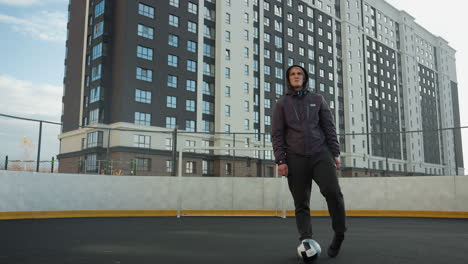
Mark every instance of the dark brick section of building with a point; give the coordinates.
(428, 91)
(383, 100)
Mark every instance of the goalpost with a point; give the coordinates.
(280, 200)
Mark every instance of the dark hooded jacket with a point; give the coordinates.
(302, 123)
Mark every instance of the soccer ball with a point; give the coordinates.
(309, 250)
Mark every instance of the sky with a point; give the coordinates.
(32, 51)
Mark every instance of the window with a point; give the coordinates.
(208, 50)
(144, 53)
(227, 54)
(278, 42)
(246, 87)
(97, 51)
(209, 32)
(142, 118)
(98, 29)
(228, 18)
(267, 86)
(142, 164)
(227, 110)
(192, 27)
(227, 128)
(146, 32)
(143, 96)
(301, 51)
(227, 36)
(246, 106)
(228, 166)
(191, 46)
(96, 72)
(246, 52)
(279, 90)
(246, 35)
(266, 37)
(192, 8)
(210, 14)
(168, 165)
(95, 94)
(207, 108)
(172, 81)
(246, 124)
(208, 88)
(190, 105)
(191, 66)
(173, 40)
(190, 85)
(144, 74)
(171, 101)
(99, 9)
(190, 167)
(141, 141)
(207, 126)
(279, 73)
(227, 91)
(170, 122)
(227, 73)
(267, 70)
(190, 126)
(266, 53)
(172, 60)
(246, 18)
(174, 21)
(94, 139)
(246, 70)
(267, 120)
(267, 103)
(174, 3)
(208, 69)
(145, 10)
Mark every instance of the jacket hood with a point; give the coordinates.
(290, 89)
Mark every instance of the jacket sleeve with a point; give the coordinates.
(278, 133)
(328, 126)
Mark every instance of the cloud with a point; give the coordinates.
(23, 98)
(49, 26)
(19, 2)
(27, 3)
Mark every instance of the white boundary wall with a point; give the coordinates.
(27, 191)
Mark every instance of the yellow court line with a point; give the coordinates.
(173, 213)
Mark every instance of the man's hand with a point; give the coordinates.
(283, 170)
(337, 162)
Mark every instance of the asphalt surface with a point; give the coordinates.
(226, 240)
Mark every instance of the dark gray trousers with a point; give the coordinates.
(319, 167)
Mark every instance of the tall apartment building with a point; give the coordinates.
(218, 66)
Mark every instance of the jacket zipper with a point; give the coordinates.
(307, 111)
(297, 116)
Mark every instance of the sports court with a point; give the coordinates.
(227, 240)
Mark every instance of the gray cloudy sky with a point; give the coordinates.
(31, 68)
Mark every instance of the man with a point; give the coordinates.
(306, 148)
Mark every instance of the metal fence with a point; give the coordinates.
(235, 154)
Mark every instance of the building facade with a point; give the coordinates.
(137, 70)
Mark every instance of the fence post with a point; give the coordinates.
(107, 171)
(455, 152)
(174, 151)
(52, 165)
(6, 162)
(39, 147)
(234, 155)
